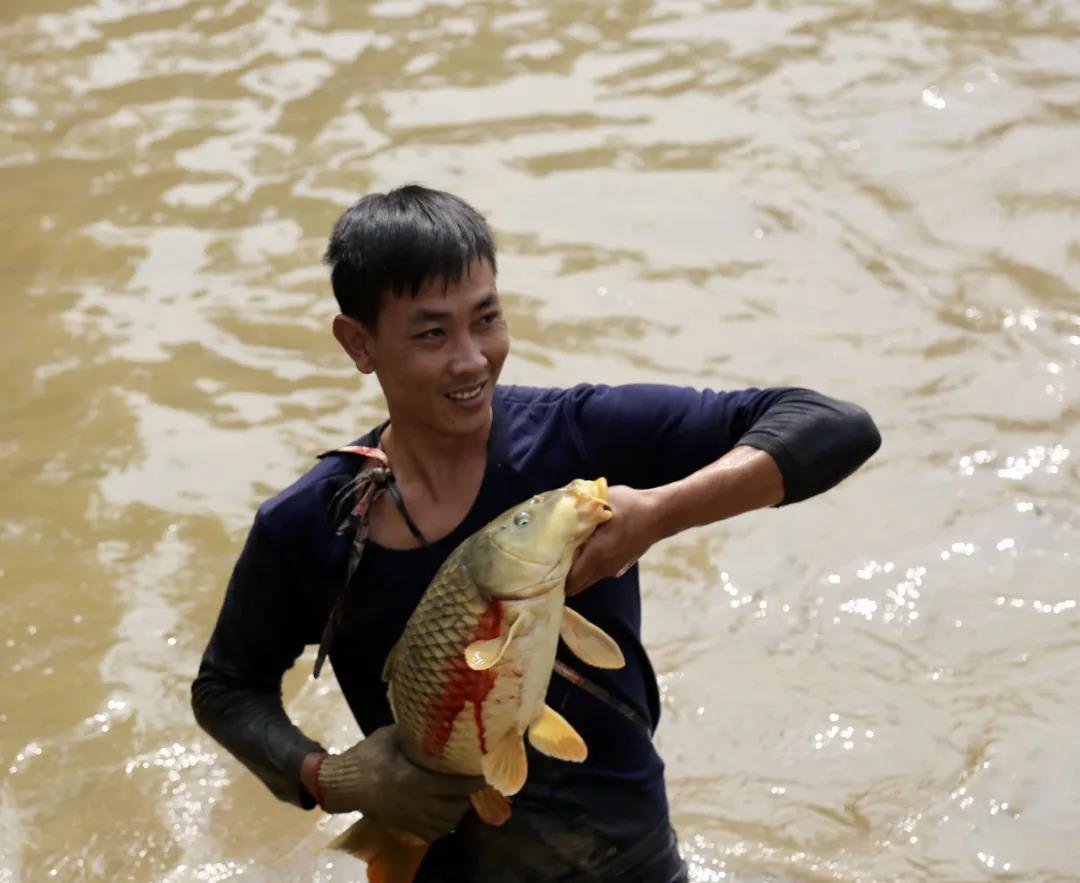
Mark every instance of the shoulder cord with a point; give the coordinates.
(367, 487)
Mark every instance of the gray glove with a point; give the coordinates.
(375, 778)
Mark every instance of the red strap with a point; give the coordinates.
(375, 453)
(316, 786)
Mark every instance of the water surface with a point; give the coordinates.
(877, 200)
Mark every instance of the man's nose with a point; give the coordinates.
(468, 355)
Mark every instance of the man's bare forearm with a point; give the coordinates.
(742, 480)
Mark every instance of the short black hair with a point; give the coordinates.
(396, 242)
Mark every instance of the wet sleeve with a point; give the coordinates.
(237, 694)
(645, 435)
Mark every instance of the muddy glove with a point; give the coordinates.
(375, 778)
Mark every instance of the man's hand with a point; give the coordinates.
(375, 778)
(618, 543)
(741, 480)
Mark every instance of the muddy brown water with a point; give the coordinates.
(878, 200)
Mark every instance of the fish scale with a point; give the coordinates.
(432, 686)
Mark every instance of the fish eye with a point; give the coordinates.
(521, 519)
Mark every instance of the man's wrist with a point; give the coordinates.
(662, 504)
(309, 775)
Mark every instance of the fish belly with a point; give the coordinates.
(487, 705)
(532, 656)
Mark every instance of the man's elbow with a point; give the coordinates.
(864, 434)
(207, 698)
(199, 704)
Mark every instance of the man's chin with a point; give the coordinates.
(468, 418)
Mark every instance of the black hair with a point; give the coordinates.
(396, 242)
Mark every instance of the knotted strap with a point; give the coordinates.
(372, 480)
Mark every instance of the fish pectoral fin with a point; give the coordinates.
(588, 642)
(551, 734)
(491, 806)
(482, 655)
(505, 766)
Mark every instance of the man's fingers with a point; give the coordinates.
(429, 829)
(459, 786)
(441, 817)
(575, 584)
(576, 569)
(572, 590)
(433, 818)
(453, 812)
(588, 570)
(466, 785)
(583, 573)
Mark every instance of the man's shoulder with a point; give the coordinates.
(528, 408)
(311, 496)
(552, 425)
(583, 396)
(518, 396)
(524, 398)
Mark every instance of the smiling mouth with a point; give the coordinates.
(467, 395)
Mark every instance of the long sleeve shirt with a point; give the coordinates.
(643, 435)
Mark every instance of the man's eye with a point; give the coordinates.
(490, 317)
(430, 334)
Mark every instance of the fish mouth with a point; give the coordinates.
(590, 499)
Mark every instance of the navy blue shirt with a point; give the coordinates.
(643, 436)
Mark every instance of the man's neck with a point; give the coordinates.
(435, 462)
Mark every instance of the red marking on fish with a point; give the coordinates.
(464, 685)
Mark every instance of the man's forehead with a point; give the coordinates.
(447, 302)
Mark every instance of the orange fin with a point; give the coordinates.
(491, 806)
(505, 766)
(482, 655)
(589, 642)
(552, 735)
(391, 856)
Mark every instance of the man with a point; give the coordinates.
(414, 276)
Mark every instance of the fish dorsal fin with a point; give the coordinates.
(505, 766)
(491, 806)
(588, 642)
(482, 655)
(551, 734)
(388, 665)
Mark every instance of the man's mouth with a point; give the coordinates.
(467, 394)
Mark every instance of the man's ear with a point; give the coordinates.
(357, 341)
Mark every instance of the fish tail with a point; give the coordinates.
(391, 856)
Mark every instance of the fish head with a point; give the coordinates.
(527, 551)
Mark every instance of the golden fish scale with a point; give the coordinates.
(444, 624)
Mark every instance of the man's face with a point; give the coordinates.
(438, 355)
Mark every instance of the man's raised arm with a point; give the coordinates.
(788, 445)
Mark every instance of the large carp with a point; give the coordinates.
(469, 676)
